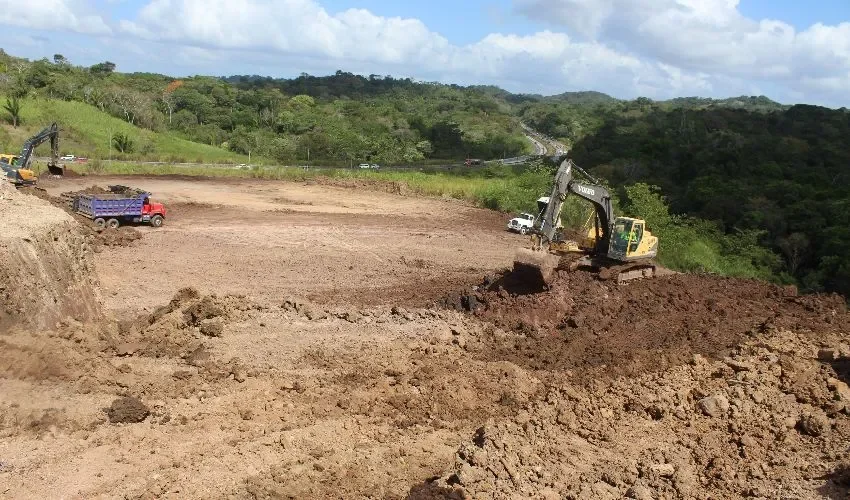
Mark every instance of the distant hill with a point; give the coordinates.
(584, 98)
(750, 103)
(342, 118)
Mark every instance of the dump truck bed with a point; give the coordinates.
(110, 205)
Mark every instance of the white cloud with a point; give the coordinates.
(628, 48)
(287, 26)
(356, 38)
(67, 15)
(709, 37)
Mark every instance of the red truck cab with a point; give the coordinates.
(153, 212)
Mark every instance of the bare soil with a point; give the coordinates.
(294, 340)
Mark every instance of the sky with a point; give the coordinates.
(793, 51)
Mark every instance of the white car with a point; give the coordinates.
(365, 165)
(375, 166)
(67, 158)
(521, 223)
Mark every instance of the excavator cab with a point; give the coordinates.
(631, 241)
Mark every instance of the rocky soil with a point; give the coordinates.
(679, 387)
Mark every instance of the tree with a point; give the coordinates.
(13, 106)
(795, 247)
(105, 68)
(122, 142)
(302, 102)
(60, 60)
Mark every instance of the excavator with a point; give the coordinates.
(18, 169)
(618, 248)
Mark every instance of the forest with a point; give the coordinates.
(782, 177)
(340, 119)
(743, 186)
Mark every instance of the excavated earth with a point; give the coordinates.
(372, 370)
(46, 269)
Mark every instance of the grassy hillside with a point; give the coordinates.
(86, 131)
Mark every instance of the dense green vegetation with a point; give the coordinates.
(742, 186)
(340, 119)
(86, 131)
(776, 180)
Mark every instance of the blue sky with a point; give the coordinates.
(793, 51)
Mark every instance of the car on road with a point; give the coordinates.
(375, 166)
(365, 165)
(67, 158)
(521, 223)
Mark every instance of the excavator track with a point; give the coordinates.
(627, 272)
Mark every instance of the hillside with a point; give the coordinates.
(86, 131)
(779, 177)
(340, 119)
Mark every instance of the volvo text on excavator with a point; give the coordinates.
(616, 247)
(18, 169)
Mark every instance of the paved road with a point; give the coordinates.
(539, 147)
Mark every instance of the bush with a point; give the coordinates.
(695, 245)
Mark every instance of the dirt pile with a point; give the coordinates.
(593, 327)
(46, 269)
(180, 328)
(767, 421)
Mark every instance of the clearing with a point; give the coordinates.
(308, 340)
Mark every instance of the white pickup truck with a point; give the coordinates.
(521, 223)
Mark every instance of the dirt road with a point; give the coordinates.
(277, 340)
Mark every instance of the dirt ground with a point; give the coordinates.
(274, 239)
(293, 340)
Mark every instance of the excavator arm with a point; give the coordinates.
(565, 184)
(50, 133)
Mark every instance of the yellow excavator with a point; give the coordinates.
(618, 248)
(18, 168)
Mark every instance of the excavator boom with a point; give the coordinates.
(50, 133)
(19, 171)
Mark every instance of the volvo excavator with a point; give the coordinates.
(18, 169)
(618, 248)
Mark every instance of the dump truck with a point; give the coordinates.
(121, 206)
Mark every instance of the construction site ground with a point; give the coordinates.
(324, 340)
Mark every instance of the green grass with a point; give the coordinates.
(85, 131)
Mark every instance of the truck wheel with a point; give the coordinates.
(156, 221)
(113, 223)
(523, 230)
(100, 223)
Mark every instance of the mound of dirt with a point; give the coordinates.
(127, 410)
(771, 420)
(179, 328)
(596, 328)
(46, 270)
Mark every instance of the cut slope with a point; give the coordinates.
(45, 264)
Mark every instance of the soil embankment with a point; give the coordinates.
(46, 269)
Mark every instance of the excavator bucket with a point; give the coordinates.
(56, 169)
(535, 268)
